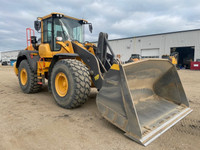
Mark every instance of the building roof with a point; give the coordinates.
(155, 34)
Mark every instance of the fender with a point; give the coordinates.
(31, 56)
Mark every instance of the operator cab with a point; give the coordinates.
(58, 27)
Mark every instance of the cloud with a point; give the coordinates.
(116, 17)
(4, 31)
(137, 25)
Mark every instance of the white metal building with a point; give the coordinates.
(186, 43)
(8, 55)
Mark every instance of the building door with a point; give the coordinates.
(150, 53)
(186, 55)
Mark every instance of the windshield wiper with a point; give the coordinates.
(65, 31)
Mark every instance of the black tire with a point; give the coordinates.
(78, 83)
(31, 85)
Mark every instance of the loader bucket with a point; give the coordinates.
(144, 98)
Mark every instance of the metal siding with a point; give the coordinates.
(7, 55)
(123, 47)
(153, 42)
(163, 42)
(166, 41)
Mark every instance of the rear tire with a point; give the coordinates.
(27, 78)
(70, 83)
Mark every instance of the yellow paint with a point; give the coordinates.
(115, 67)
(23, 76)
(30, 47)
(79, 44)
(45, 51)
(61, 84)
(90, 49)
(96, 77)
(173, 60)
(34, 54)
(135, 59)
(15, 69)
(42, 40)
(65, 47)
(43, 66)
(45, 17)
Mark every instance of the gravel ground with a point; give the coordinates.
(34, 121)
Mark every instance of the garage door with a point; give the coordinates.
(150, 53)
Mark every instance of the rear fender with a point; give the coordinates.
(31, 56)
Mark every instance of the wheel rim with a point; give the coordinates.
(23, 76)
(61, 84)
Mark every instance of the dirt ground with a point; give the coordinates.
(34, 121)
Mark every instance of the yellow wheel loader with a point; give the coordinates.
(143, 98)
(173, 57)
(134, 58)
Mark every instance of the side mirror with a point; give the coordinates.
(90, 28)
(37, 25)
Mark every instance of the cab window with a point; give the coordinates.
(47, 31)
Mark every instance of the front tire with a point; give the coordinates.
(70, 83)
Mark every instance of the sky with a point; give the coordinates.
(118, 18)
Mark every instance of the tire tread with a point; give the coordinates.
(82, 82)
(34, 86)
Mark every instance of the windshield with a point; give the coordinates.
(72, 29)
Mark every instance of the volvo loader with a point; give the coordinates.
(142, 98)
(173, 57)
(134, 58)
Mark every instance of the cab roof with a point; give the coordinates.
(55, 13)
